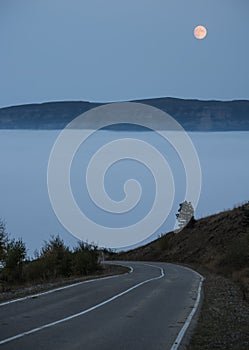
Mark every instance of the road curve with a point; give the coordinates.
(148, 308)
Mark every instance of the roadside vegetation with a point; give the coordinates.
(54, 260)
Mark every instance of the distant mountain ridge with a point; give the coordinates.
(193, 115)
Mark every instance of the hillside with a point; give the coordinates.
(218, 243)
(193, 115)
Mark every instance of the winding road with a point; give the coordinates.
(148, 308)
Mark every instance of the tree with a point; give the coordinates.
(3, 241)
(85, 259)
(13, 259)
(12, 254)
(56, 258)
(185, 215)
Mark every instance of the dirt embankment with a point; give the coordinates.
(218, 247)
(219, 243)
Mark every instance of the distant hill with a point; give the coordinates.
(219, 243)
(193, 115)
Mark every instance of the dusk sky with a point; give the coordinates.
(112, 50)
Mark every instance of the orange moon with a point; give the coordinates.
(200, 32)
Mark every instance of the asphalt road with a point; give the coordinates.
(143, 309)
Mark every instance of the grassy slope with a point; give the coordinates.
(219, 243)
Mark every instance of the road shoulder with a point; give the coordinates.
(223, 320)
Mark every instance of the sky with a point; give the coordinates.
(113, 50)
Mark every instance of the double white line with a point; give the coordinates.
(34, 330)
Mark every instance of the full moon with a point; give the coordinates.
(200, 32)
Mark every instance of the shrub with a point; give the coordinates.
(13, 259)
(85, 259)
(55, 259)
(164, 242)
(3, 241)
(237, 256)
(246, 214)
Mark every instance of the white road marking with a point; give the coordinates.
(180, 335)
(64, 287)
(34, 330)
